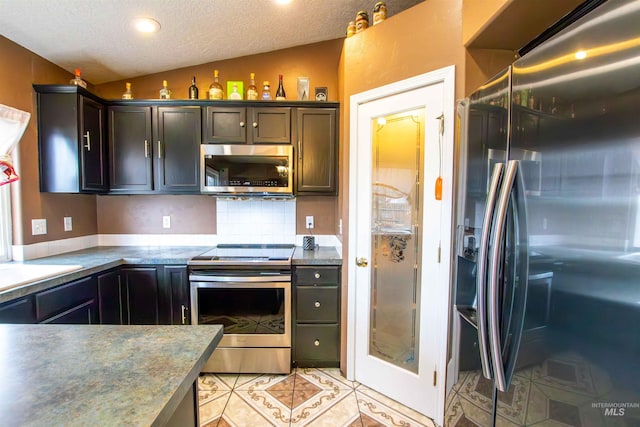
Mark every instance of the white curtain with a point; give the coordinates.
(13, 122)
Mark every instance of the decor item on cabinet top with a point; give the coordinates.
(13, 122)
(193, 89)
(77, 80)
(266, 91)
(252, 90)
(235, 89)
(303, 88)
(280, 95)
(321, 94)
(128, 94)
(215, 90)
(165, 93)
(362, 21)
(379, 12)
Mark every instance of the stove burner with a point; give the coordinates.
(245, 254)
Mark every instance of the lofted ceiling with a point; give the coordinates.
(97, 37)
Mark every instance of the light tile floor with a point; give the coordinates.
(306, 397)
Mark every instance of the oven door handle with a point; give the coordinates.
(202, 278)
(239, 285)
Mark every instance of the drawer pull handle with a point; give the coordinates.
(184, 316)
(316, 343)
(317, 275)
(317, 304)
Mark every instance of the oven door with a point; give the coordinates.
(254, 311)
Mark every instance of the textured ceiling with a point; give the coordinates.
(96, 35)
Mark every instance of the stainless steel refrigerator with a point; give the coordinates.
(547, 288)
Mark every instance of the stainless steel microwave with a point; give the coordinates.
(255, 170)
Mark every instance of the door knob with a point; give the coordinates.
(362, 262)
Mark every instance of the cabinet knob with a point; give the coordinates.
(316, 343)
(317, 275)
(242, 124)
(255, 124)
(317, 304)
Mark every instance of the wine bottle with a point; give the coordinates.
(193, 89)
(252, 90)
(215, 90)
(127, 93)
(165, 93)
(266, 90)
(280, 96)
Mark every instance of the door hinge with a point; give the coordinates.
(435, 378)
(441, 118)
(439, 251)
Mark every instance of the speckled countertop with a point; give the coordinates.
(83, 375)
(101, 258)
(323, 255)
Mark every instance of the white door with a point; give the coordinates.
(401, 282)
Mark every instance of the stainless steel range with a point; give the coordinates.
(247, 289)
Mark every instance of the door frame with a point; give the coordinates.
(446, 77)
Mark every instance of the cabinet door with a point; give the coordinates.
(93, 147)
(59, 300)
(18, 311)
(225, 125)
(316, 159)
(177, 138)
(130, 149)
(110, 298)
(141, 285)
(176, 282)
(83, 314)
(271, 125)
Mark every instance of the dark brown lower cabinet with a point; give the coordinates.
(141, 295)
(21, 310)
(75, 302)
(176, 284)
(316, 331)
(110, 298)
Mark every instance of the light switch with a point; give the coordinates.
(68, 224)
(166, 221)
(38, 226)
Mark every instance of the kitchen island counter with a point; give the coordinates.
(100, 374)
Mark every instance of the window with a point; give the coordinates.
(5, 223)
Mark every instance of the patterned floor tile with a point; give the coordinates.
(324, 378)
(387, 411)
(212, 409)
(256, 408)
(267, 381)
(326, 409)
(552, 406)
(573, 373)
(462, 413)
(210, 386)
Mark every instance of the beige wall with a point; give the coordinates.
(20, 69)
(423, 38)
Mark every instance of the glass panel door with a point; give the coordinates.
(397, 171)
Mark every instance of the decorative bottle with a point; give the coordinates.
(165, 93)
(193, 89)
(252, 90)
(215, 90)
(127, 93)
(280, 96)
(234, 93)
(77, 80)
(266, 90)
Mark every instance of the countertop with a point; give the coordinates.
(86, 262)
(99, 374)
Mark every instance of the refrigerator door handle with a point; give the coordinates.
(481, 285)
(494, 269)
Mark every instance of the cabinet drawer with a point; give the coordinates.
(57, 300)
(317, 304)
(317, 275)
(317, 342)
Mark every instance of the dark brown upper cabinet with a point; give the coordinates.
(71, 142)
(247, 125)
(154, 149)
(316, 151)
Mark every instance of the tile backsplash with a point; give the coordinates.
(256, 221)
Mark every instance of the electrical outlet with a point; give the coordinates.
(68, 223)
(309, 221)
(38, 226)
(166, 221)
